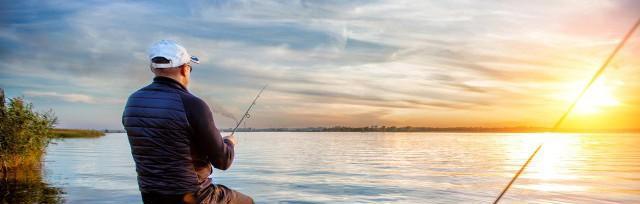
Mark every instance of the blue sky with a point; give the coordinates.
(420, 63)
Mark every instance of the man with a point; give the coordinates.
(174, 141)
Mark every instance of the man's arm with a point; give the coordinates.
(206, 135)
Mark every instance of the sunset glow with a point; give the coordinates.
(407, 63)
(351, 101)
(598, 98)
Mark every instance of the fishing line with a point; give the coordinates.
(246, 113)
(573, 104)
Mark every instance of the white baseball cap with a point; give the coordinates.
(172, 51)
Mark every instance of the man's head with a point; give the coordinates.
(169, 59)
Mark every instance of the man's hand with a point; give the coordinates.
(231, 139)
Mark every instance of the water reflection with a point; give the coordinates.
(550, 164)
(594, 168)
(436, 167)
(25, 185)
(374, 168)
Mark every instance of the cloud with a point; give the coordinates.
(71, 97)
(357, 58)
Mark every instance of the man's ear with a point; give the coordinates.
(183, 70)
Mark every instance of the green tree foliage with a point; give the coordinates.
(24, 133)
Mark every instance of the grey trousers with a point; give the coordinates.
(213, 194)
(218, 193)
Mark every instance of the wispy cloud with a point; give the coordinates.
(327, 62)
(72, 97)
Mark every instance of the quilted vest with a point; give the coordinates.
(159, 135)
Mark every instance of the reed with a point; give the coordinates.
(76, 133)
(24, 133)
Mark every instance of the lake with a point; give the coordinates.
(323, 167)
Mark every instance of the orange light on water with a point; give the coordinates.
(549, 170)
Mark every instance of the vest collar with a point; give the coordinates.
(169, 81)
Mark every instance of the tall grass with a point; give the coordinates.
(24, 133)
(75, 133)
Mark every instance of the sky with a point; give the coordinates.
(327, 63)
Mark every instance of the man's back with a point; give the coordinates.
(158, 130)
(174, 140)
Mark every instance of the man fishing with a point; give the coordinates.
(174, 140)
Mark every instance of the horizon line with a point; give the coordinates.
(508, 129)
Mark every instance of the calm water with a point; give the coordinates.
(378, 167)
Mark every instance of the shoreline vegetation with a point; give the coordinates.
(76, 133)
(25, 133)
(24, 136)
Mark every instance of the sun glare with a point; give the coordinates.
(553, 164)
(599, 96)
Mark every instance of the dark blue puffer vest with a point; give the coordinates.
(158, 130)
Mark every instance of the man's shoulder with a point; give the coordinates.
(191, 100)
(155, 89)
(138, 92)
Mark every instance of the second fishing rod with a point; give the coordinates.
(556, 126)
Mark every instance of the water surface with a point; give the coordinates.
(378, 167)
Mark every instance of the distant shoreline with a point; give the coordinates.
(76, 133)
(434, 129)
(421, 129)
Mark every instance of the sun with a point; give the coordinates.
(598, 97)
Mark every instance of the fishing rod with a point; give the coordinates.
(246, 113)
(573, 104)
